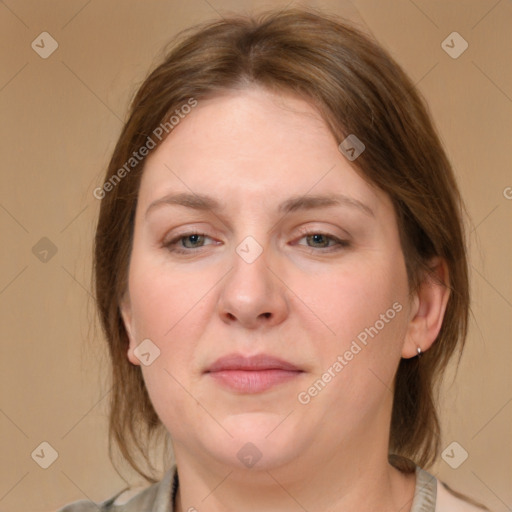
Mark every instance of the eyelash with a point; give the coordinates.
(341, 244)
(172, 243)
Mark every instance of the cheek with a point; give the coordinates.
(164, 298)
(166, 308)
(354, 298)
(365, 307)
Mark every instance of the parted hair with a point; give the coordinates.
(358, 89)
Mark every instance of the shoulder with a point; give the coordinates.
(433, 495)
(449, 500)
(155, 498)
(123, 502)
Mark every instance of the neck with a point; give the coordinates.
(364, 484)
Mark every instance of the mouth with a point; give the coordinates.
(253, 374)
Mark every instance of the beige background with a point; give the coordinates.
(60, 119)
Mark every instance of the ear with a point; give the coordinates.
(126, 313)
(427, 310)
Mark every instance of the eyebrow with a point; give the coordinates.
(206, 203)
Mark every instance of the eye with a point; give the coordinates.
(321, 240)
(186, 242)
(190, 242)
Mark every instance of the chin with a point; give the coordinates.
(257, 445)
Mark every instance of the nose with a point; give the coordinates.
(252, 295)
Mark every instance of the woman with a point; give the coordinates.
(281, 275)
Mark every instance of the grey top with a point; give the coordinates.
(159, 497)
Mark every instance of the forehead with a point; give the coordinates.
(252, 143)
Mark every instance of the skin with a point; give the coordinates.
(304, 300)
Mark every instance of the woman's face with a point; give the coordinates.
(255, 237)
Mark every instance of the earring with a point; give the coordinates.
(419, 352)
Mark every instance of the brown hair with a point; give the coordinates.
(358, 89)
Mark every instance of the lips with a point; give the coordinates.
(252, 363)
(252, 374)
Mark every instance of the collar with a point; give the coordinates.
(161, 496)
